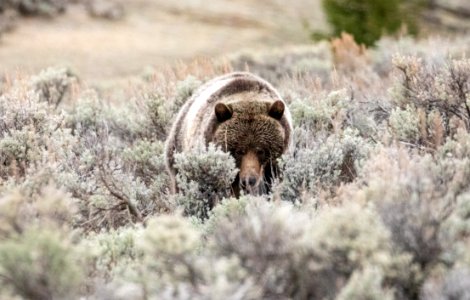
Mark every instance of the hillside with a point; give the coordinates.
(152, 34)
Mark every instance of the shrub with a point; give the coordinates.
(416, 199)
(175, 266)
(367, 20)
(110, 10)
(295, 257)
(433, 99)
(30, 130)
(321, 114)
(321, 165)
(39, 258)
(455, 231)
(113, 252)
(277, 65)
(455, 284)
(366, 284)
(45, 8)
(264, 237)
(343, 240)
(204, 178)
(170, 245)
(404, 124)
(40, 264)
(52, 84)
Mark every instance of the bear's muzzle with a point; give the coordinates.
(251, 173)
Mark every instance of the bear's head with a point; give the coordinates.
(253, 134)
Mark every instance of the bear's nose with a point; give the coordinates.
(252, 181)
(249, 182)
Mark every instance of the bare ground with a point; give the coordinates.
(154, 33)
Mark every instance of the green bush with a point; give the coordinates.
(367, 20)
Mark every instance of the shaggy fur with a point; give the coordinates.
(244, 115)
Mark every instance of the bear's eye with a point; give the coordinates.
(239, 152)
(260, 152)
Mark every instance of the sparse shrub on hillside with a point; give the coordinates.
(176, 265)
(46, 8)
(348, 54)
(184, 89)
(114, 251)
(415, 197)
(321, 115)
(39, 258)
(278, 65)
(12, 10)
(30, 130)
(307, 258)
(366, 284)
(453, 285)
(433, 101)
(367, 20)
(41, 144)
(40, 264)
(265, 239)
(170, 245)
(321, 165)
(346, 239)
(160, 106)
(204, 178)
(105, 9)
(52, 84)
(404, 124)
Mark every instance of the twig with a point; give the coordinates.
(114, 191)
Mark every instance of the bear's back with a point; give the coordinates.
(198, 116)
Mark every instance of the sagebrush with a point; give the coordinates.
(373, 203)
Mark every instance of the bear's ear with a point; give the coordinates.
(276, 110)
(223, 112)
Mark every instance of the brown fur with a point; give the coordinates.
(254, 139)
(245, 117)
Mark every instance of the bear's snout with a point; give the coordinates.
(251, 181)
(251, 173)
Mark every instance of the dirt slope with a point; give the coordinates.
(154, 33)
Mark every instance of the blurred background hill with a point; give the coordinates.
(105, 40)
(153, 32)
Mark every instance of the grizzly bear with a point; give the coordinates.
(245, 116)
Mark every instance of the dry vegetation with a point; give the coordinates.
(374, 203)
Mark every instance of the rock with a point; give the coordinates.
(459, 7)
(7, 20)
(451, 14)
(105, 9)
